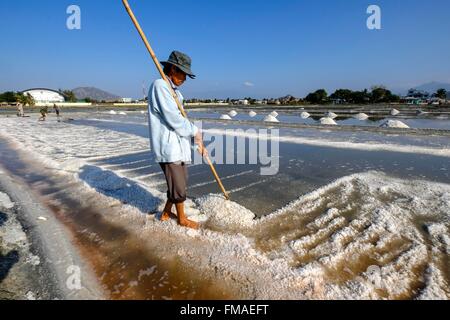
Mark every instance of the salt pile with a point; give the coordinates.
(225, 214)
(421, 112)
(328, 121)
(112, 112)
(225, 117)
(270, 118)
(274, 114)
(233, 113)
(5, 201)
(361, 116)
(331, 115)
(305, 115)
(394, 124)
(123, 113)
(395, 112)
(252, 114)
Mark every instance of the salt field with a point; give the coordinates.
(350, 214)
(425, 120)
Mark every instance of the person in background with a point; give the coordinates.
(57, 111)
(20, 112)
(44, 112)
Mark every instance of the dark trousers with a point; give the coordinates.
(176, 178)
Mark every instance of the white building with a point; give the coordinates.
(41, 95)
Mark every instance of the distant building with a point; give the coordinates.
(126, 100)
(414, 93)
(42, 95)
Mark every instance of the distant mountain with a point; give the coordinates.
(94, 93)
(432, 87)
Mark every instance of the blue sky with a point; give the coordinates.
(278, 46)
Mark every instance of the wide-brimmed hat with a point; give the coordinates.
(181, 61)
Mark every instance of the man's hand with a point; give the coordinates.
(199, 142)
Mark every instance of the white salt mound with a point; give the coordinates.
(225, 117)
(331, 115)
(395, 112)
(328, 121)
(394, 124)
(305, 115)
(233, 113)
(270, 118)
(112, 112)
(225, 214)
(252, 114)
(274, 114)
(361, 116)
(421, 112)
(5, 201)
(123, 113)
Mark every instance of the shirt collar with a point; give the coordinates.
(172, 84)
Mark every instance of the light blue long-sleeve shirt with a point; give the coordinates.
(171, 135)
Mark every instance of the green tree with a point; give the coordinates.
(381, 94)
(441, 94)
(25, 99)
(318, 97)
(70, 96)
(342, 94)
(360, 97)
(8, 96)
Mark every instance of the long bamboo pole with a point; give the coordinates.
(174, 95)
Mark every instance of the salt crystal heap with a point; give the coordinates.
(328, 121)
(331, 115)
(305, 115)
(232, 113)
(361, 116)
(252, 114)
(225, 117)
(223, 213)
(270, 118)
(394, 124)
(395, 112)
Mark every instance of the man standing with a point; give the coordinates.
(43, 111)
(20, 112)
(57, 111)
(172, 135)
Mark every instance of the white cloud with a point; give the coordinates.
(249, 84)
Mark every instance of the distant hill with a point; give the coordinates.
(432, 87)
(94, 93)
